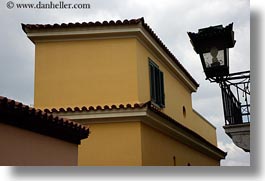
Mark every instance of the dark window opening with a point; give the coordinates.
(184, 111)
(156, 85)
(174, 160)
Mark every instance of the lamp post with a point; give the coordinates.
(212, 44)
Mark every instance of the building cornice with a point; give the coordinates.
(150, 116)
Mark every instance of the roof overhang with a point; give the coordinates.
(22, 116)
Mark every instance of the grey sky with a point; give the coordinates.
(171, 20)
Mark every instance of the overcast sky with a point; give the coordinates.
(170, 20)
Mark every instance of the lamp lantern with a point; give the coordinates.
(212, 44)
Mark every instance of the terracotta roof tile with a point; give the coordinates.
(96, 108)
(141, 21)
(23, 116)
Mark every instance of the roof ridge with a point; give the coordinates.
(94, 23)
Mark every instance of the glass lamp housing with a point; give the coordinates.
(215, 62)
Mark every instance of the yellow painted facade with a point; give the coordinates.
(177, 95)
(112, 144)
(163, 155)
(84, 73)
(132, 143)
(107, 72)
(94, 70)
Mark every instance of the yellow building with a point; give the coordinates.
(122, 81)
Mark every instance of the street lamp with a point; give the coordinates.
(212, 44)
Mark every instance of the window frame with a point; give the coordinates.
(157, 86)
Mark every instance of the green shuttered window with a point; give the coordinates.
(156, 85)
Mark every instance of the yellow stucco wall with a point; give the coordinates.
(106, 72)
(177, 95)
(159, 149)
(114, 71)
(111, 144)
(84, 73)
(135, 144)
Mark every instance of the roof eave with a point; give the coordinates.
(150, 116)
(22, 116)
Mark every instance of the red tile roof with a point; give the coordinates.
(147, 105)
(141, 21)
(22, 116)
(97, 108)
